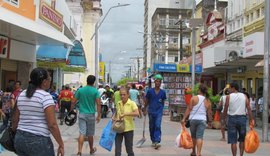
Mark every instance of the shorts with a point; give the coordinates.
(87, 124)
(236, 128)
(197, 128)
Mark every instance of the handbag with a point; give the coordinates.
(7, 139)
(119, 126)
(187, 125)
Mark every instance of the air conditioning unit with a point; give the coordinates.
(234, 54)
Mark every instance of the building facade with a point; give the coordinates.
(20, 32)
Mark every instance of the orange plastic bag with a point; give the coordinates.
(252, 141)
(217, 116)
(185, 139)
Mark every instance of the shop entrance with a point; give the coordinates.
(8, 78)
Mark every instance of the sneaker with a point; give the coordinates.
(157, 145)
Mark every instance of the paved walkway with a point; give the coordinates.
(212, 146)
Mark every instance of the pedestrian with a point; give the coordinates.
(8, 101)
(65, 97)
(34, 118)
(155, 100)
(236, 105)
(253, 108)
(221, 108)
(260, 107)
(126, 109)
(244, 90)
(17, 89)
(55, 97)
(89, 101)
(142, 99)
(135, 96)
(198, 109)
(109, 94)
(116, 96)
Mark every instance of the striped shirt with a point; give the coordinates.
(32, 112)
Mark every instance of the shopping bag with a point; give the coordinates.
(107, 137)
(252, 141)
(177, 140)
(7, 139)
(185, 139)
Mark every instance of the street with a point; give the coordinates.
(211, 147)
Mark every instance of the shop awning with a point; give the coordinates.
(76, 55)
(73, 56)
(29, 31)
(52, 53)
(260, 64)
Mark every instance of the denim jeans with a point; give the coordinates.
(28, 144)
(5, 122)
(155, 127)
(236, 128)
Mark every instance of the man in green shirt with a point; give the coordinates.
(88, 99)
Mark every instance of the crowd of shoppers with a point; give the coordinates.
(34, 113)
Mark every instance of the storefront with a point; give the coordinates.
(176, 77)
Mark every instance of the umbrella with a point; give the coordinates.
(140, 142)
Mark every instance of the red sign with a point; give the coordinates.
(4, 47)
(51, 16)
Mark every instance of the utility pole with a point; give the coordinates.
(129, 73)
(138, 66)
(266, 72)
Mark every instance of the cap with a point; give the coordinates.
(107, 85)
(158, 77)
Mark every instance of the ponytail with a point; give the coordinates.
(30, 90)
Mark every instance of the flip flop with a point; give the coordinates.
(93, 151)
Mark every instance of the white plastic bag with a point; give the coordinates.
(177, 140)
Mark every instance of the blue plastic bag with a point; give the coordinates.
(107, 137)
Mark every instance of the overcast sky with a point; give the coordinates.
(119, 33)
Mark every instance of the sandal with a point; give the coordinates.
(93, 151)
(193, 154)
(79, 154)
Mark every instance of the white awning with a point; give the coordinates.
(23, 29)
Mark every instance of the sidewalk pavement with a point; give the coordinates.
(212, 145)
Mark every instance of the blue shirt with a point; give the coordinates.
(155, 101)
(134, 95)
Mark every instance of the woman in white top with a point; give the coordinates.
(34, 118)
(197, 110)
(222, 119)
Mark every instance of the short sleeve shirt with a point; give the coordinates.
(155, 101)
(128, 107)
(134, 95)
(86, 97)
(66, 95)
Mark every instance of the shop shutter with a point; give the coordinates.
(8, 65)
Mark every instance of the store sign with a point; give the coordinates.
(183, 68)
(51, 16)
(198, 68)
(4, 45)
(253, 44)
(165, 67)
(102, 70)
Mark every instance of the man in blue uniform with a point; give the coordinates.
(155, 100)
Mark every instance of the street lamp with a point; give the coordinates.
(97, 25)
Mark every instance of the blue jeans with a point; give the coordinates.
(197, 128)
(236, 128)
(155, 127)
(29, 144)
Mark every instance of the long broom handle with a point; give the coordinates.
(144, 121)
